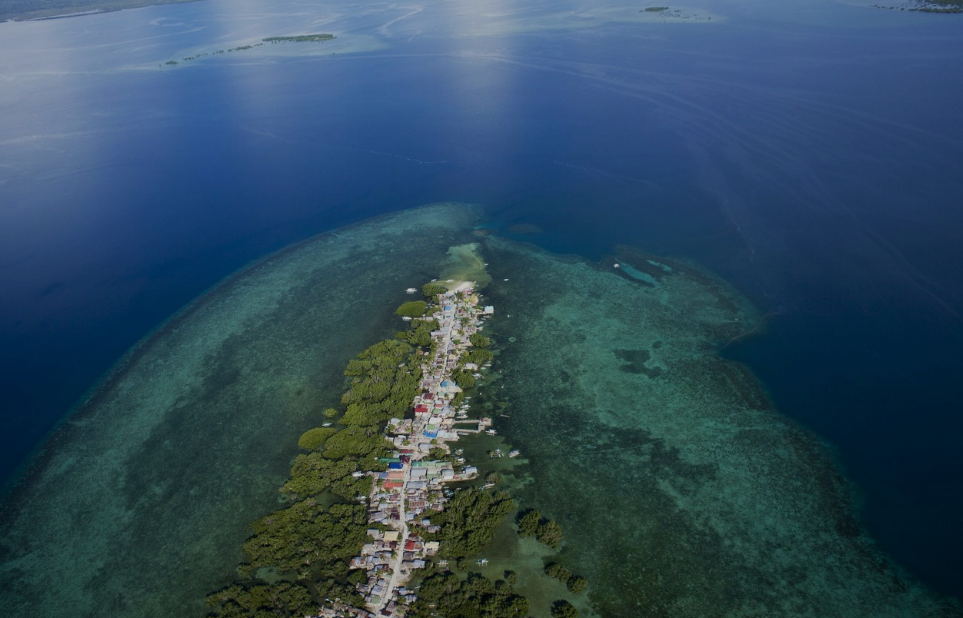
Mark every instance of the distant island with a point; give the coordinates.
(939, 6)
(301, 38)
(21, 10)
(922, 6)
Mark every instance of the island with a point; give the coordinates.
(404, 507)
(301, 38)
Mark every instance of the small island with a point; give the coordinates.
(301, 38)
(918, 6)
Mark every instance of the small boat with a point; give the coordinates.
(491, 432)
(514, 453)
(326, 425)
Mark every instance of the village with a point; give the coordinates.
(421, 465)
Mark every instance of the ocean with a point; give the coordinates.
(808, 153)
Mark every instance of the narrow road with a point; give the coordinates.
(396, 572)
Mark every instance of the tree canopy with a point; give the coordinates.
(412, 309)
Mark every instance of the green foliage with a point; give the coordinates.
(469, 520)
(312, 439)
(431, 290)
(412, 309)
(313, 474)
(447, 595)
(386, 380)
(463, 378)
(511, 577)
(549, 533)
(531, 523)
(420, 333)
(577, 583)
(564, 609)
(479, 356)
(528, 523)
(479, 341)
(304, 536)
(356, 441)
(437, 453)
(557, 571)
(330, 413)
(279, 599)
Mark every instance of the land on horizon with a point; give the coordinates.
(20, 10)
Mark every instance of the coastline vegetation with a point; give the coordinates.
(305, 548)
(531, 523)
(564, 609)
(313, 438)
(431, 290)
(412, 309)
(306, 545)
(298, 556)
(446, 594)
(468, 522)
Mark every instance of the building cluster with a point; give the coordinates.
(414, 482)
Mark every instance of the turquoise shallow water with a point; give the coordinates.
(681, 490)
(139, 504)
(807, 151)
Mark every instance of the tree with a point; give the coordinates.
(479, 341)
(528, 523)
(550, 534)
(577, 583)
(431, 290)
(412, 309)
(330, 413)
(557, 571)
(312, 439)
(511, 577)
(564, 609)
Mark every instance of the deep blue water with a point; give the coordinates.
(810, 154)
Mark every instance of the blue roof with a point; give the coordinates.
(396, 466)
(431, 434)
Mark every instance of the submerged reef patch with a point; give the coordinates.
(682, 491)
(137, 505)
